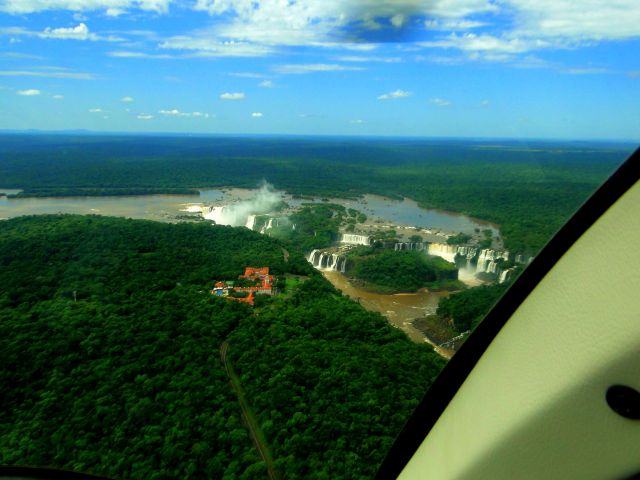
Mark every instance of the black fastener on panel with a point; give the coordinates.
(625, 401)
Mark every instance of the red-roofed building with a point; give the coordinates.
(261, 276)
(263, 285)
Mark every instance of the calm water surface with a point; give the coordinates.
(400, 309)
(150, 207)
(409, 214)
(166, 207)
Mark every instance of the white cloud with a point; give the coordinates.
(398, 20)
(299, 69)
(114, 12)
(471, 42)
(31, 6)
(541, 24)
(448, 24)
(257, 115)
(394, 95)
(177, 113)
(265, 27)
(362, 59)
(232, 96)
(266, 84)
(205, 45)
(23, 56)
(578, 20)
(357, 121)
(585, 71)
(173, 113)
(484, 103)
(29, 92)
(323, 23)
(144, 116)
(95, 110)
(127, 99)
(80, 32)
(261, 27)
(48, 74)
(440, 102)
(247, 75)
(58, 97)
(126, 54)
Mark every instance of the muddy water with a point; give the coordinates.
(407, 213)
(151, 207)
(399, 309)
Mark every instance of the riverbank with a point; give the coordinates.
(406, 217)
(400, 309)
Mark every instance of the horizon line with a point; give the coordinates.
(87, 132)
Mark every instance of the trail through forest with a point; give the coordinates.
(250, 419)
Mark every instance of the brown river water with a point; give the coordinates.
(399, 309)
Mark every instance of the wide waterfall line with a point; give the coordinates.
(412, 246)
(475, 260)
(272, 222)
(353, 239)
(443, 250)
(327, 261)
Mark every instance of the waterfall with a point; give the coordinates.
(213, 213)
(414, 246)
(354, 239)
(327, 261)
(251, 221)
(443, 250)
(505, 275)
(485, 259)
(312, 257)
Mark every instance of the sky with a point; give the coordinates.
(556, 69)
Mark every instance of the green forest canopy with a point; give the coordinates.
(110, 363)
(467, 309)
(392, 271)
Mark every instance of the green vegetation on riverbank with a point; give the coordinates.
(32, 192)
(529, 189)
(317, 225)
(389, 271)
(459, 313)
(465, 310)
(109, 356)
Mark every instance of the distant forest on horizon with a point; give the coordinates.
(528, 188)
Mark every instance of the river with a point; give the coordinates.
(168, 208)
(163, 208)
(399, 309)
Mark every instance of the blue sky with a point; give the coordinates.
(466, 68)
